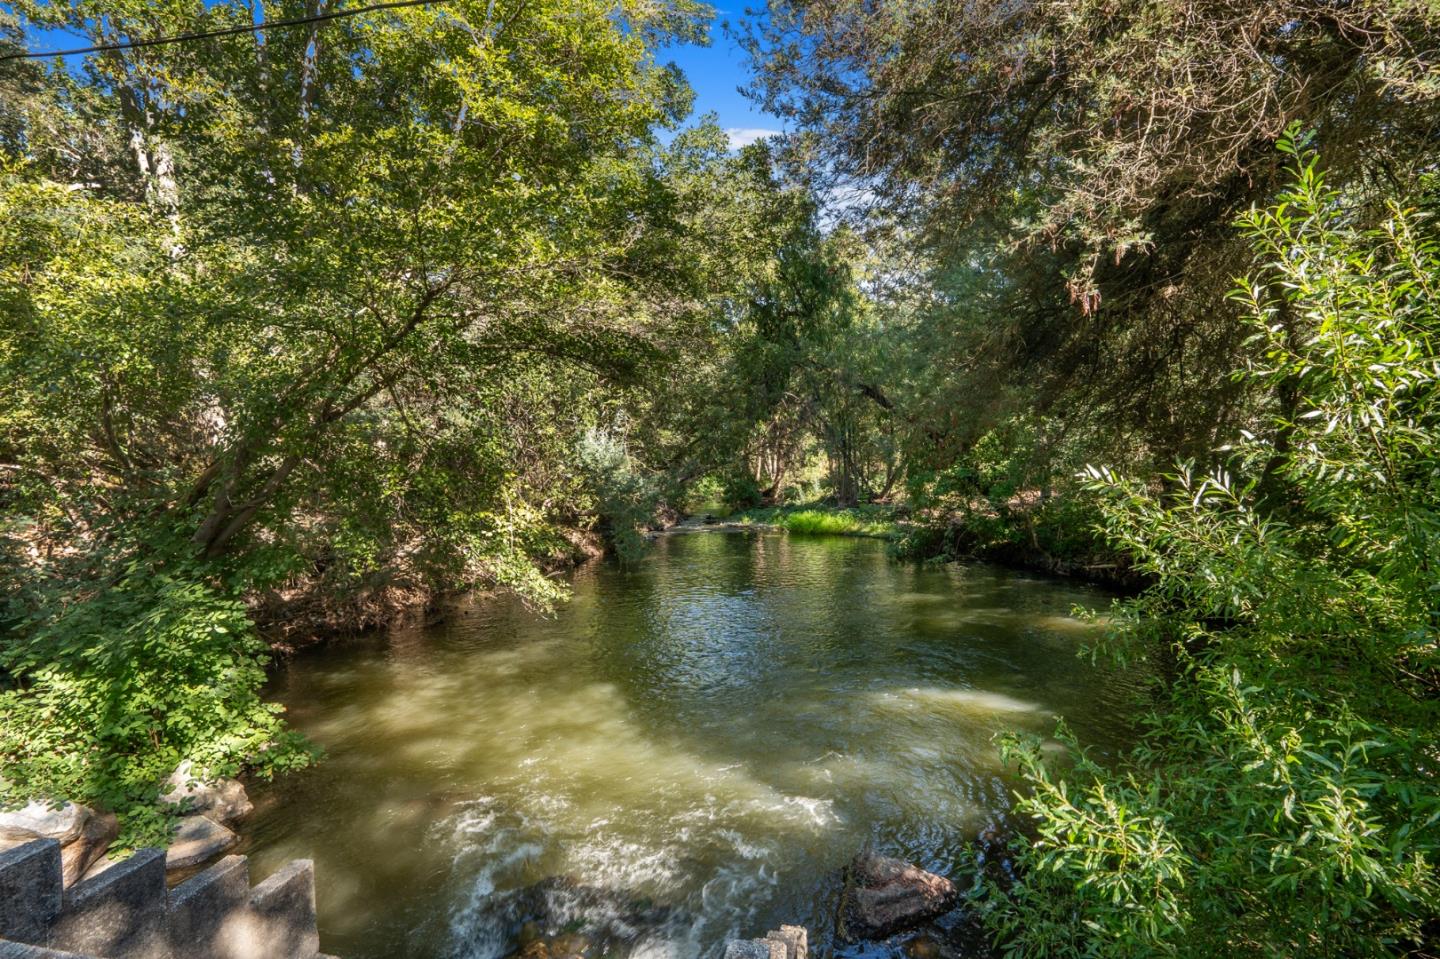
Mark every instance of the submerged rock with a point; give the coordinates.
(562, 919)
(886, 896)
(994, 858)
(925, 947)
(787, 942)
(196, 840)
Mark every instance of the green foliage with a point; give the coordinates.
(1055, 182)
(323, 311)
(1012, 457)
(740, 490)
(1008, 496)
(878, 521)
(1284, 800)
(112, 686)
(625, 497)
(827, 523)
(796, 376)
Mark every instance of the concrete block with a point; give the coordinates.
(283, 914)
(209, 913)
(120, 914)
(30, 891)
(750, 949)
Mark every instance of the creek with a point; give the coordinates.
(687, 750)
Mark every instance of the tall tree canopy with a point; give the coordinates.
(1096, 152)
(330, 305)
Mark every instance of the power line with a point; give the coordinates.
(228, 31)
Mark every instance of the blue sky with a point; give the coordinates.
(715, 72)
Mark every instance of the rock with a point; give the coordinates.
(993, 856)
(41, 820)
(196, 840)
(571, 945)
(924, 947)
(889, 895)
(101, 864)
(559, 918)
(95, 838)
(222, 800)
(796, 940)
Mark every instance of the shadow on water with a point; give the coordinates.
(686, 751)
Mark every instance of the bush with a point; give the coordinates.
(109, 692)
(741, 491)
(625, 498)
(1284, 800)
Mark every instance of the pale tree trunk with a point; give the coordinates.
(154, 164)
(309, 68)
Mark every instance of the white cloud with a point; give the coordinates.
(744, 136)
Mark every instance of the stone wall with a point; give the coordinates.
(126, 912)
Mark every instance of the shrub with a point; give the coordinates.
(741, 491)
(1284, 800)
(107, 693)
(625, 498)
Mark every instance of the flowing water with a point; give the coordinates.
(688, 750)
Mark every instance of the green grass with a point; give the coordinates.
(824, 521)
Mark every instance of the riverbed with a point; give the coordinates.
(688, 750)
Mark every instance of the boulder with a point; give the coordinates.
(220, 799)
(570, 945)
(42, 820)
(885, 896)
(95, 838)
(197, 839)
(101, 865)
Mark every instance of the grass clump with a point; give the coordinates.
(812, 520)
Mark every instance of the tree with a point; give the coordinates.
(1096, 152)
(286, 309)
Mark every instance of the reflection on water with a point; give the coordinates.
(685, 752)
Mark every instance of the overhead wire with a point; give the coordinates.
(224, 32)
